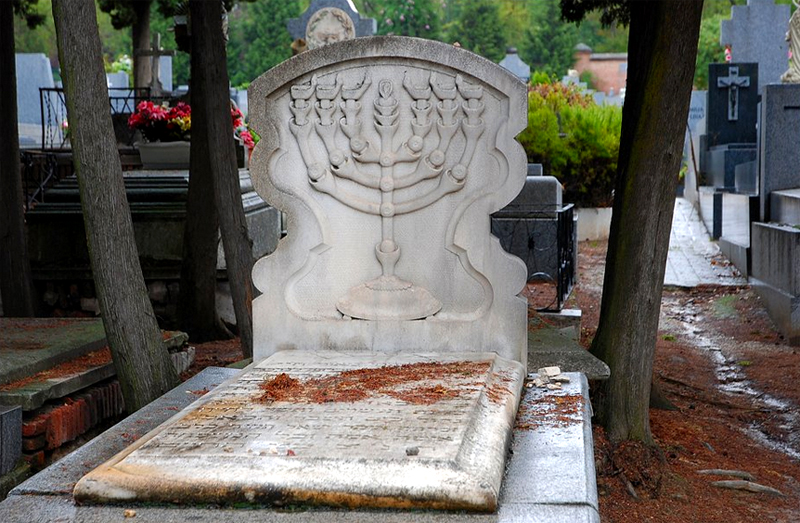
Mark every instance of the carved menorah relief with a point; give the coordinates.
(330, 108)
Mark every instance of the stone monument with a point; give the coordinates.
(329, 21)
(792, 75)
(391, 337)
(756, 33)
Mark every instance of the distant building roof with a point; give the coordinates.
(610, 56)
(583, 48)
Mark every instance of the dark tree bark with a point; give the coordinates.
(214, 155)
(16, 283)
(662, 46)
(143, 366)
(140, 39)
(197, 312)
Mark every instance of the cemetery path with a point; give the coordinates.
(733, 379)
(693, 259)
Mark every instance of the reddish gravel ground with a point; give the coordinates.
(733, 381)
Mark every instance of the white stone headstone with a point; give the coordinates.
(388, 156)
(33, 73)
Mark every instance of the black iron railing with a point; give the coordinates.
(565, 278)
(122, 102)
(41, 170)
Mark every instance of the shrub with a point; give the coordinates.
(576, 140)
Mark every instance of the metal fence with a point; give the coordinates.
(122, 102)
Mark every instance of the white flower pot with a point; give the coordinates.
(164, 155)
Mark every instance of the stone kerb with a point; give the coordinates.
(388, 156)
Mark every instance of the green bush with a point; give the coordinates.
(576, 140)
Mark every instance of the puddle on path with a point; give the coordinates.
(732, 380)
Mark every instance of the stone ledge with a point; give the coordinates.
(48, 495)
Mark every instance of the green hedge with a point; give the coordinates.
(581, 149)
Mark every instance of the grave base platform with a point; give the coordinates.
(344, 429)
(549, 477)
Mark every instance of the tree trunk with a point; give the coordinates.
(197, 312)
(143, 365)
(211, 120)
(662, 47)
(140, 39)
(16, 283)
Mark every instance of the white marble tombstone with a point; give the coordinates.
(388, 156)
(390, 317)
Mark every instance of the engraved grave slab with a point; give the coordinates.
(428, 431)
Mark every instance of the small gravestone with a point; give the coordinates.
(391, 320)
(732, 100)
(33, 72)
(528, 227)
(756, 32)
(329, 21)
(731, 121)
(514, 63)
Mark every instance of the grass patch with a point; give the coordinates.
(668, 337)
(725, 306)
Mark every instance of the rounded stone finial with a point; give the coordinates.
(387, 184)
(358, 144)
(387, 210)
(415, 143)
(459, 172)
(336, 158)
(436, 158)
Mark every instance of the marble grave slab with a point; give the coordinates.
(349, 429)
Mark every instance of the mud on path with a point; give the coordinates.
(734, 381)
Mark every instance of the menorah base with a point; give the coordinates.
(388, 298)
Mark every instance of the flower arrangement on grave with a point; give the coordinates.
(242, 131)
(162, 123)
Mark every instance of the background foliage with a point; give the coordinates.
(575, 140)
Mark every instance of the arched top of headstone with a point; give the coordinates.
(323, 23)
(388, 156)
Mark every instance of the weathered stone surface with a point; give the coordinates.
(47, 495)
(230, 447)
(10, 438)
(775, 275)
(30, 345)
(779, 153)
(388, 199)
(756, 32)
(33, 395)
(785, 206)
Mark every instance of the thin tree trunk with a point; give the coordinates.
(140, 39)
(211, 118)
(662, 47)
(143, 365)
(197, 312)
(16, 283)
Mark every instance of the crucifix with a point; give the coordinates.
(733, 82)
(155, 53)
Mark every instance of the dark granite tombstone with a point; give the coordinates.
(732, 101)
(779, 154)
(731, 124)
(528, 226)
